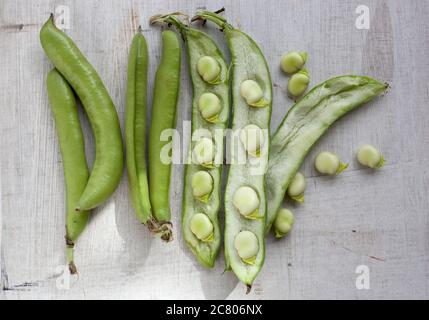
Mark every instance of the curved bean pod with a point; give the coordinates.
(82, 77)
(72, 147)
(305, 123)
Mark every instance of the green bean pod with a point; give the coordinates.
(82, 77)
(199, 45)
(251, 100)
(135, 136)
(165, 97)
(72, 147)
(305, 123)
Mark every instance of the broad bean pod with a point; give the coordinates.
(245, 203)
(202, 187)
(85, 81)
(72, 145)
(165, 96)
(305, 123)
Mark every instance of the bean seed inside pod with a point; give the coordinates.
(247, 246)
(246, 201)
(252, 138)
(251, 91)
(209, 105)
(202, 227)
(204, 152)
(202, 184)
(208, 68)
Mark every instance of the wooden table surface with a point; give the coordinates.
(375, 219)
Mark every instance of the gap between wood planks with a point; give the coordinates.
(17, 27)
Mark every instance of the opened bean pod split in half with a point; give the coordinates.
(304, 124)
(245, 203)
(203, 172)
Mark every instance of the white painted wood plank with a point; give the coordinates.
(377, 219)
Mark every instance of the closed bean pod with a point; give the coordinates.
(165, 97)
(85, 81)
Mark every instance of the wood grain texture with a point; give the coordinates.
(379, 219)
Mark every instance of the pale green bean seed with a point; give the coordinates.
(293, 61)
(298, 83)
(247, 246)
(246, 201)
(252, 138)
(202, 227)
(297, 187)
(369, 156)
(329, 163)
(283, 223)
(202, 185)
(252, 93)
(209, 69)
(204, 152)
(209, 106)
